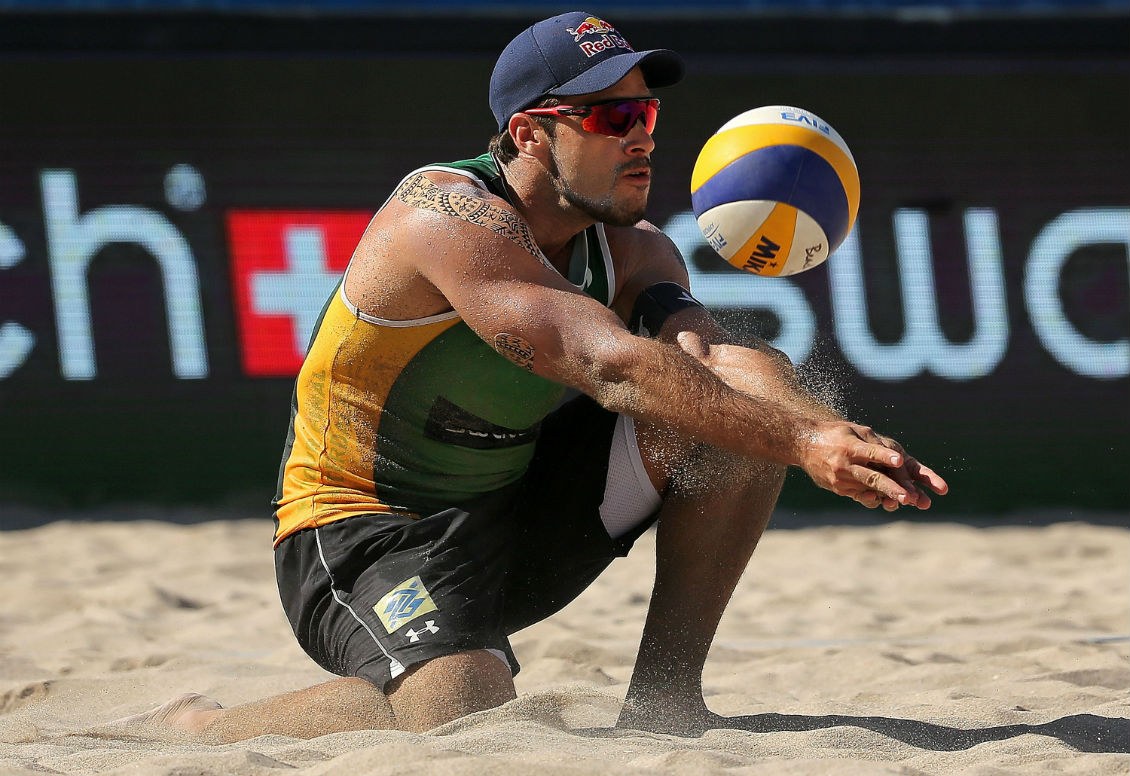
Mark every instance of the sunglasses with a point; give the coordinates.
(615, 118)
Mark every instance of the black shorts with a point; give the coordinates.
(372, 595)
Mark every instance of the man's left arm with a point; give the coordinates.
(654, 301)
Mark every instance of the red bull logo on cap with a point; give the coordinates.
(604, 36)
(590, 26)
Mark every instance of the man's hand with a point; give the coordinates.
(854, 461)
(848, 459)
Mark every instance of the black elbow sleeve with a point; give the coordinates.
(655, 303)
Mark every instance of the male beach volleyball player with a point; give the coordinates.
(437, 495)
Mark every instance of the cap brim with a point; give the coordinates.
(660, 67)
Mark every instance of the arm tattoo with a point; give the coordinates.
(515, 348)
(420, 192)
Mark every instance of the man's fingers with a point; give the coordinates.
(693, 344)
(905, 469)
(877, 481)
(872, 499)
(915, 468)
(919, 498)
(903, 476)
(930, 478)
(888, 504)
(869, 499)
(891, 443)
(875, 470)
(880, 455)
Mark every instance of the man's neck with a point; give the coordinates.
(554, 222)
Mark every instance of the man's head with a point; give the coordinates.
(594, 147)
(567, 55)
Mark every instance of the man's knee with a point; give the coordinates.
(685, 466)
(695, 469)
(751, 486)
(744, 476)
(446, 688)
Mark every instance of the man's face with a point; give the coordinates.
(607, 178)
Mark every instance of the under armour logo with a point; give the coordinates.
(429, 626)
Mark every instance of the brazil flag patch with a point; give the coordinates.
(404, 603)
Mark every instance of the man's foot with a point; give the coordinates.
(188, 713)
(689, 720)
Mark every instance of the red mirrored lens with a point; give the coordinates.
(618, 118)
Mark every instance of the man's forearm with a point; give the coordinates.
(768, 374)
(754, 368)
(662, 384)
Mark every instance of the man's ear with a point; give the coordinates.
(526, 133)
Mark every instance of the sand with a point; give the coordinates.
(891, 648)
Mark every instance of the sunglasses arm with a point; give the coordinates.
(561, 110)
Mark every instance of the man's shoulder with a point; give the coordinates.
(643, 255)
(642, 237)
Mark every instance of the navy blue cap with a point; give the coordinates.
(575, 53)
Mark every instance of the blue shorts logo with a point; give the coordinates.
(406, 602)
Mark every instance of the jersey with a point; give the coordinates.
(411, 417)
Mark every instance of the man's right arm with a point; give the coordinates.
(482, 257)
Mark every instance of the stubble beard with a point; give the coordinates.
(606, 210)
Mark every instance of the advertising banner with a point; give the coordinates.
(171, 226)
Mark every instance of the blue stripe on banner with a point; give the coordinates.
(781, 173)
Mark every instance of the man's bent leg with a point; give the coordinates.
(715, 511)
(339, 705)
(428, 695)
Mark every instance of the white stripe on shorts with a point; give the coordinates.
(395, 666)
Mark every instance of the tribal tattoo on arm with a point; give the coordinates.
(420, 192)
(517, 349)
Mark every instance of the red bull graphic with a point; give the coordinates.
(604, 37)
(590, 26)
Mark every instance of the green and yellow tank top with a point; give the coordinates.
(411, 417)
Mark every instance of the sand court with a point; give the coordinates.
(926, 647)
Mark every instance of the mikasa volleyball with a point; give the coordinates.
(775, 190)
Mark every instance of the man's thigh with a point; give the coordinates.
(584, 501)
(374, 595)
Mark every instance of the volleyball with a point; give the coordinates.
(775, 190)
